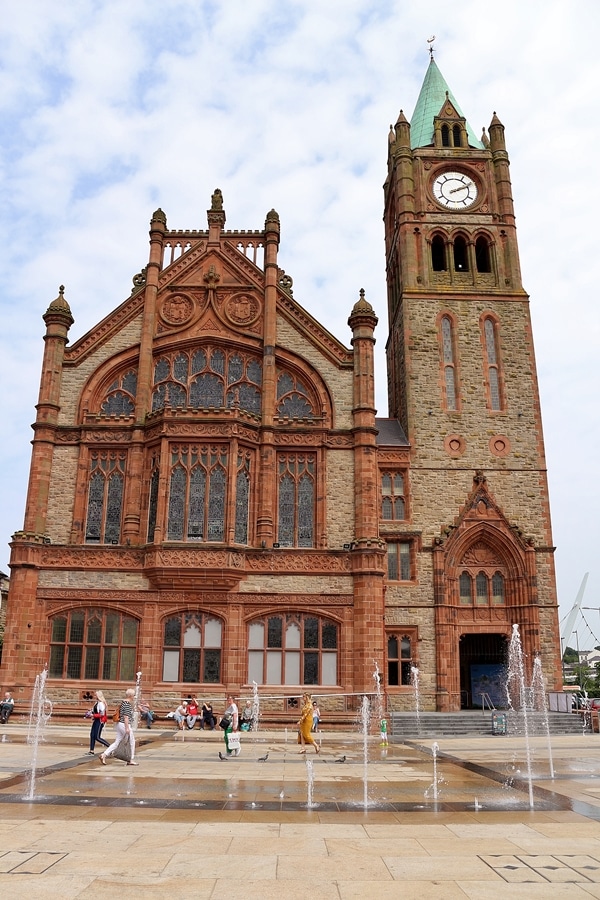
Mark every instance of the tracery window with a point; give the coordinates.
(197, 493)
(207, 377)
(393, 505)
(293, 649)
(492, 360)
(484, 589)
(400, 658)
(153, 496)
(94, 645)
(296, 499)
(105, 497)
(293, 397)
(449, 363)
(120, 397)
(399, 561)
(192, 643)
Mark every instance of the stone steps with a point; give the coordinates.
(432, 724)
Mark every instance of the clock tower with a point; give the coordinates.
(463, 385)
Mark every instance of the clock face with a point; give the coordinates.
(455, 190)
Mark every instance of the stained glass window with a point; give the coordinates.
(296, 500)
(294, 400)
(120, 399)
(105, 497)
(242, 500)
(398, 556)
(198, 495)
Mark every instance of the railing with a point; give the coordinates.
(485, 698)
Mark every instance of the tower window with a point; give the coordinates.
(400, 659)
(445, 136)
(492, 363)
(482, 255)
(438, 254)
(398, 557)
(393, 506)
(457, 135)
(449, 364)
(461, 258)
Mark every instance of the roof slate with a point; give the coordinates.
(429, 104)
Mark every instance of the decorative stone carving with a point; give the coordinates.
(242, 309)
(177, 309)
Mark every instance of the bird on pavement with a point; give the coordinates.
(341, 759)
(224, 758)
(263, 758)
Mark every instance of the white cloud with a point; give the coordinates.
(110, 110)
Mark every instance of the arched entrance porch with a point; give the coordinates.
(483, 660)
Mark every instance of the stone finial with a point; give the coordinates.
(479, 477)
(158, 216)
(484, 138)
(216, 200)
(59, 310)
(362, 305)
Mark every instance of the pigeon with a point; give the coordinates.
(341, 759)
(224, 758)
(263, 758)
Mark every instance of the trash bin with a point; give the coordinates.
(498, 723)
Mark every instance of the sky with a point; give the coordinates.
(109, 110)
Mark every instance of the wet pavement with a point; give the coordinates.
(185, 821)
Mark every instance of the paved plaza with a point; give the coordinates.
(184, 823)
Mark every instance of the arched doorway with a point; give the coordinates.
(483, 660)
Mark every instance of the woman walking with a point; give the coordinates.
(232, 713)
(98, 722)
(124, 727)
(305, 724)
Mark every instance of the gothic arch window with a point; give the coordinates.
(449, 363)
(457, 135)
(93, 645)
(481, 577)
(293, 648)
(293, 398)
(119, 399)
(438, 254)
(105, 497)
(483, 259)
(208, 376)
(192, 643)
(400, 657)
(393, 502)
(153, 496)
(197, 493)
(492, 363)
(296, 499)
(445, 135)
(461, 255)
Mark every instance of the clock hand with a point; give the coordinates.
(461, 188)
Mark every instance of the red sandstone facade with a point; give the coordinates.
(213, 502)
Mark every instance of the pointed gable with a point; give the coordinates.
(434, 94)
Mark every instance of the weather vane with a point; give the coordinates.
(430, 42)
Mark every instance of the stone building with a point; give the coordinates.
(213, 501)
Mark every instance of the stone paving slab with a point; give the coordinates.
(96, 833)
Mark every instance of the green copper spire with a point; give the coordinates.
(429, 104)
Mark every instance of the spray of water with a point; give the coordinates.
(538, 687)
(255, 706)
(518, 694)
(39, 716)
(365, 717)
(136, 700)
(414, 680)
(310, 782)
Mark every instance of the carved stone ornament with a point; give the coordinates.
(242, 309)
(177, 309)
(480, 554)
